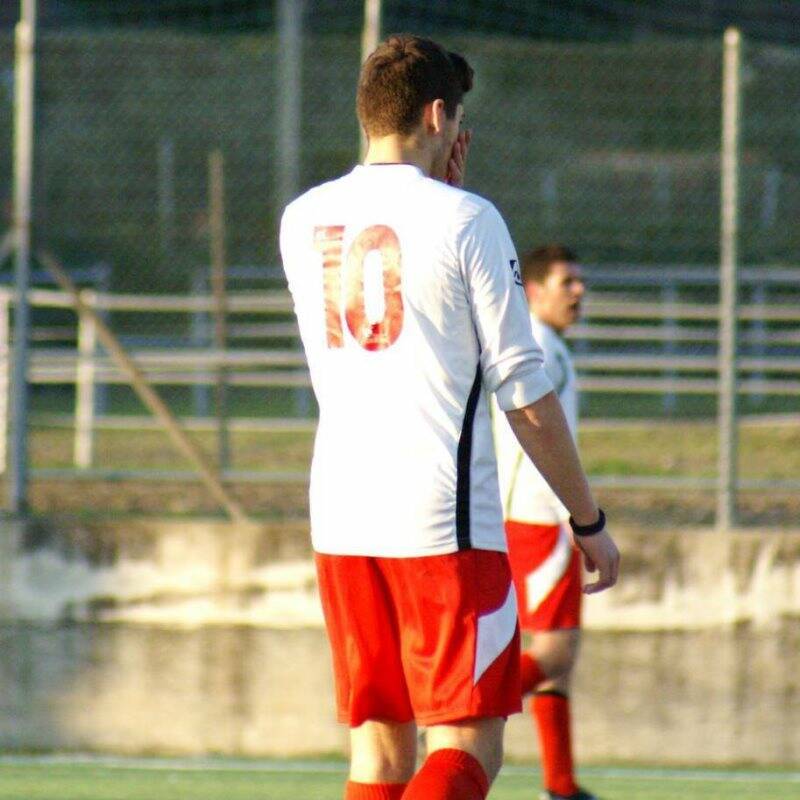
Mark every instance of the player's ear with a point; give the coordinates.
(434, 116)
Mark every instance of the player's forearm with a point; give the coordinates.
(544, 435)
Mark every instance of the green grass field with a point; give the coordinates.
(110, 779)
(767, 451)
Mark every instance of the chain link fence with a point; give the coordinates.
(604, 140)
(613, 146)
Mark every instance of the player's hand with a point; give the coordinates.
(457, 166)
(600, 555)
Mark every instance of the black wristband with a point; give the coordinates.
(589, 530)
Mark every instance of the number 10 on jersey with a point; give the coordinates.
(351, 275)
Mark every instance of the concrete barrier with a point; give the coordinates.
(179, 572)
(191, 637)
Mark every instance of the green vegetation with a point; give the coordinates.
(671, 450)
(611, 146)
(623, 449)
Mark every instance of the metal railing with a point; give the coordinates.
(665, 335)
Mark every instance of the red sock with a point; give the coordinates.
(530, 673)
(449, 775)
(374, 791)
(551, 712)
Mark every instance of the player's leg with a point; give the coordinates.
(547, 664)
(482, 738)
(460, 645)
(368, 672)
(547, 574)
(463, 760)
(557, 652)
(383, 757)
(555, 645)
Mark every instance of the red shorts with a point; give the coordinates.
(433, 639)
(547, 576)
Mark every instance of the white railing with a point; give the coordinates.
(608, 319)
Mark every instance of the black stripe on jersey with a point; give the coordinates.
(463, 466)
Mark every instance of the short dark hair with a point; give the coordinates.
(404, 74)
(536, 264)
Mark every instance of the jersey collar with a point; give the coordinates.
(394, 169)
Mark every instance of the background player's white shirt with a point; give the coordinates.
(404, 462)
(526, 495)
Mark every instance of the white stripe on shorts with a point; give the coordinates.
(495, 631)
(542, 581)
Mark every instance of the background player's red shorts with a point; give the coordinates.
(432, 638)
(547, 576)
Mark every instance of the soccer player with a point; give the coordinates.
(545, 565)
(410, 309)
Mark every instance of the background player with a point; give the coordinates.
(545, 565)
(409, 304)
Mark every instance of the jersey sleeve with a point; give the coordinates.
(554, 363)
(511, 361)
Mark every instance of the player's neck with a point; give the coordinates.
(545, 319)
(397, 150)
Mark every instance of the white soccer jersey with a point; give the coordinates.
(408, 298)
(526, 495)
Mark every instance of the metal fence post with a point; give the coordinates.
(548, 189)
(662, 189)
(758, 342)
(216, 218)
(85, 385)
(200, 338)
(24, 72)
(769, 200)
(166, 200)
(290, 96)
(729, 224)
(102, 284)
(669, 298)
(5, 343)
(370, 38)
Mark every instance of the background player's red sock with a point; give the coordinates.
(551, 712)
(374, 791)
(530, 673)
(449, 775)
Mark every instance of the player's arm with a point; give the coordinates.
(542, 431)
(513, 368)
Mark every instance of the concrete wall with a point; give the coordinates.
(184, 573)
(205, 572)
(196, 637)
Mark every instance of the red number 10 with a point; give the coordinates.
(371, 334)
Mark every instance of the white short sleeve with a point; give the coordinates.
(511, 360)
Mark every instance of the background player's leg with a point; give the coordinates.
(531, 673)
(463, 759)
(556, 652)
(383, 757)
